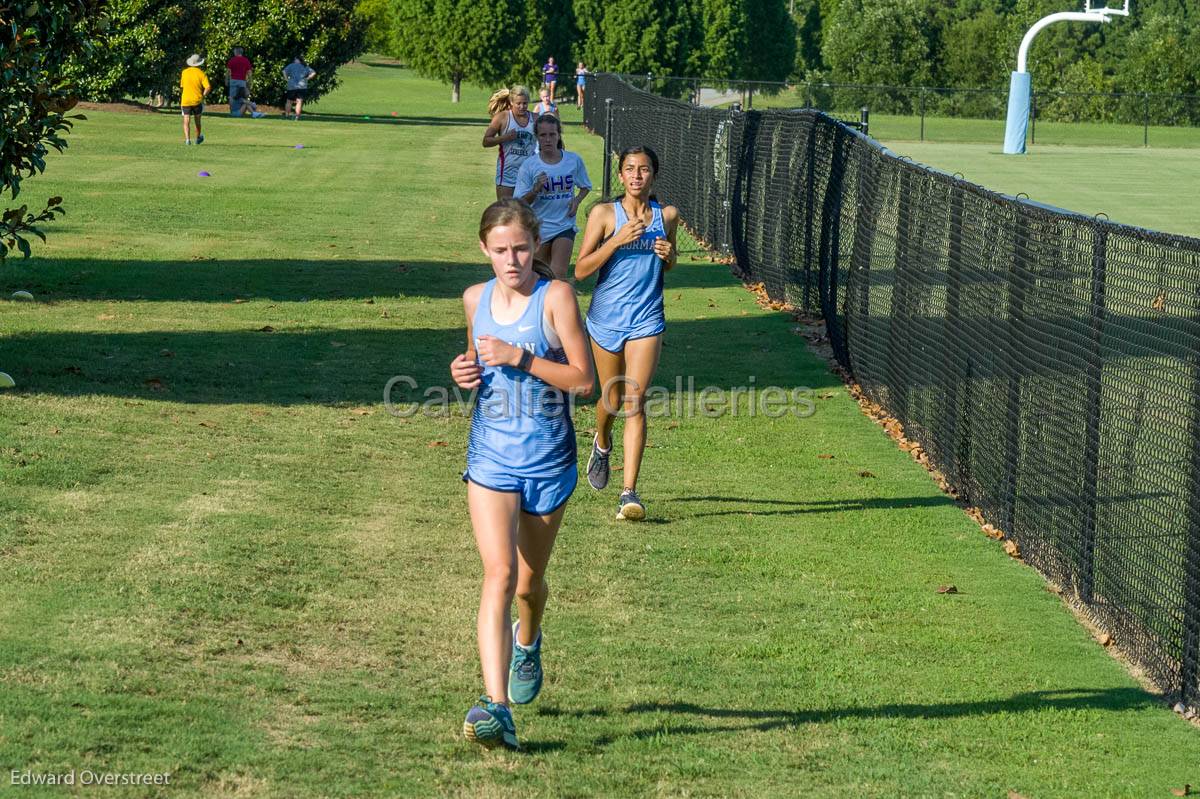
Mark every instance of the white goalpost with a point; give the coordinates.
(1021, 84)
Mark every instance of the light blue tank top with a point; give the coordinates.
(520, 423)
(629, 288)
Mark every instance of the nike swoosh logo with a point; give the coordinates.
(524, 328)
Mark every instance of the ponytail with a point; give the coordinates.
(502, 99)
(499, 101)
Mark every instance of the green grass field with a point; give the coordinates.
(221, 558)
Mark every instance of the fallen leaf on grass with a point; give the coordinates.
(1160, 301)
(1012, 549)
(825, 457)
(826, 395)
(238, 301)
(156, 384)
(865, 473)
(1106, 639)
(361, 411)
(438, 444)
(368, 302)
(1014, 795)
(947, 589)
(131, 404)
(991, 532)
(104, 317)
(55, 431)
(1186, 790)
(337, 343)
(209, 425)
(166, 353)
(266, 329)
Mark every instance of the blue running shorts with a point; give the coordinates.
(540, 496)
(614, 340)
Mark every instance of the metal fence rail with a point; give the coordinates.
(1143, 110)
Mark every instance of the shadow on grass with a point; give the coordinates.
(287, 280)
(387, 119)
(755, 506)
(1064, 700)
(223, 281)
(303, 361)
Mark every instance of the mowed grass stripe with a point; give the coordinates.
(252, 576)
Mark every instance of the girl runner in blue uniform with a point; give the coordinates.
(545, 104)
(511, 129)
(580, 84)
(526, 352)
(554, 183)
(631, 242)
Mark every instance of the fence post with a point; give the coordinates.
(1093, 377)
(1189, 669)
(696, 92)
(608, 119)
(952, 343)
(899, 341)
(810, 194)
(1016, 331)
(922, 113)
(864, 119)
(830, 257)
(859, 282)
(730, 167)
(808, 93)
(1145, 119)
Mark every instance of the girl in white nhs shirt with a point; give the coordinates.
(554, 183)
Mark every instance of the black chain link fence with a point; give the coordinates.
(1048, 362)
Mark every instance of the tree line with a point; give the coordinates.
(141, 50)
(964, 44)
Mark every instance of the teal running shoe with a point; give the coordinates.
(490, 724)
(525, 673)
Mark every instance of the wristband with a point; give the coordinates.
(526, 361)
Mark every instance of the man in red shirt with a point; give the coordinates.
(238, 71)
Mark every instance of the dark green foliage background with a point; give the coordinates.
(35, 39)
(148, 41)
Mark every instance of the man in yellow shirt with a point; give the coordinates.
(195, 87)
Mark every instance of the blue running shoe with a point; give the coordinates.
(597, 465)
(525, 673)
(199, 140)
(630, 507)
(490, 724)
